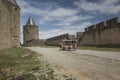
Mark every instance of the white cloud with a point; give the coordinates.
(54, 32)
(62, 12)
(59, 13)
(70, 21)
(26, 8)
(66, 18)
(103, 6)
(77, 18)
(71, 30)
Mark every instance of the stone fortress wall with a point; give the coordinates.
(30, 33)
(31, 43)
(102, 34)
(9, 24)
(54, 41)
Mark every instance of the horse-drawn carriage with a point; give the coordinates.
(68, 44)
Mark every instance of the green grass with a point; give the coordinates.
(21, 62)
(16, 61)
(99, 48)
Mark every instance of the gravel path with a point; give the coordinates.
(83, 64)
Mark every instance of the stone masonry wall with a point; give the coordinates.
(15, 28)
(31, 43)
(56, 40)
(104, 33)
(30, 33)
(9, 25)
(79, 36)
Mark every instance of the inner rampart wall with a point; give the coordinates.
(54, 41)
(103, 33)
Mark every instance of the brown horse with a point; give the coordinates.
(61, 45)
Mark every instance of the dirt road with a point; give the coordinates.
(83, 64)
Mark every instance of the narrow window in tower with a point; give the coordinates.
(27, 30)
(0, 21)
(0, 11)
(15, 9)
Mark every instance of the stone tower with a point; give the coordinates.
(31, 31)
(9, 24)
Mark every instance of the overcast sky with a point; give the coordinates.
(55, 17)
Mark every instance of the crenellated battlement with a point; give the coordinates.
(103, 33)
(100, 26)
(111, 23)
(59, 37)
(91, 28)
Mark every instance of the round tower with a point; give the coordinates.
(30, 31)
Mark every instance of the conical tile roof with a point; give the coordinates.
(30, 21)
